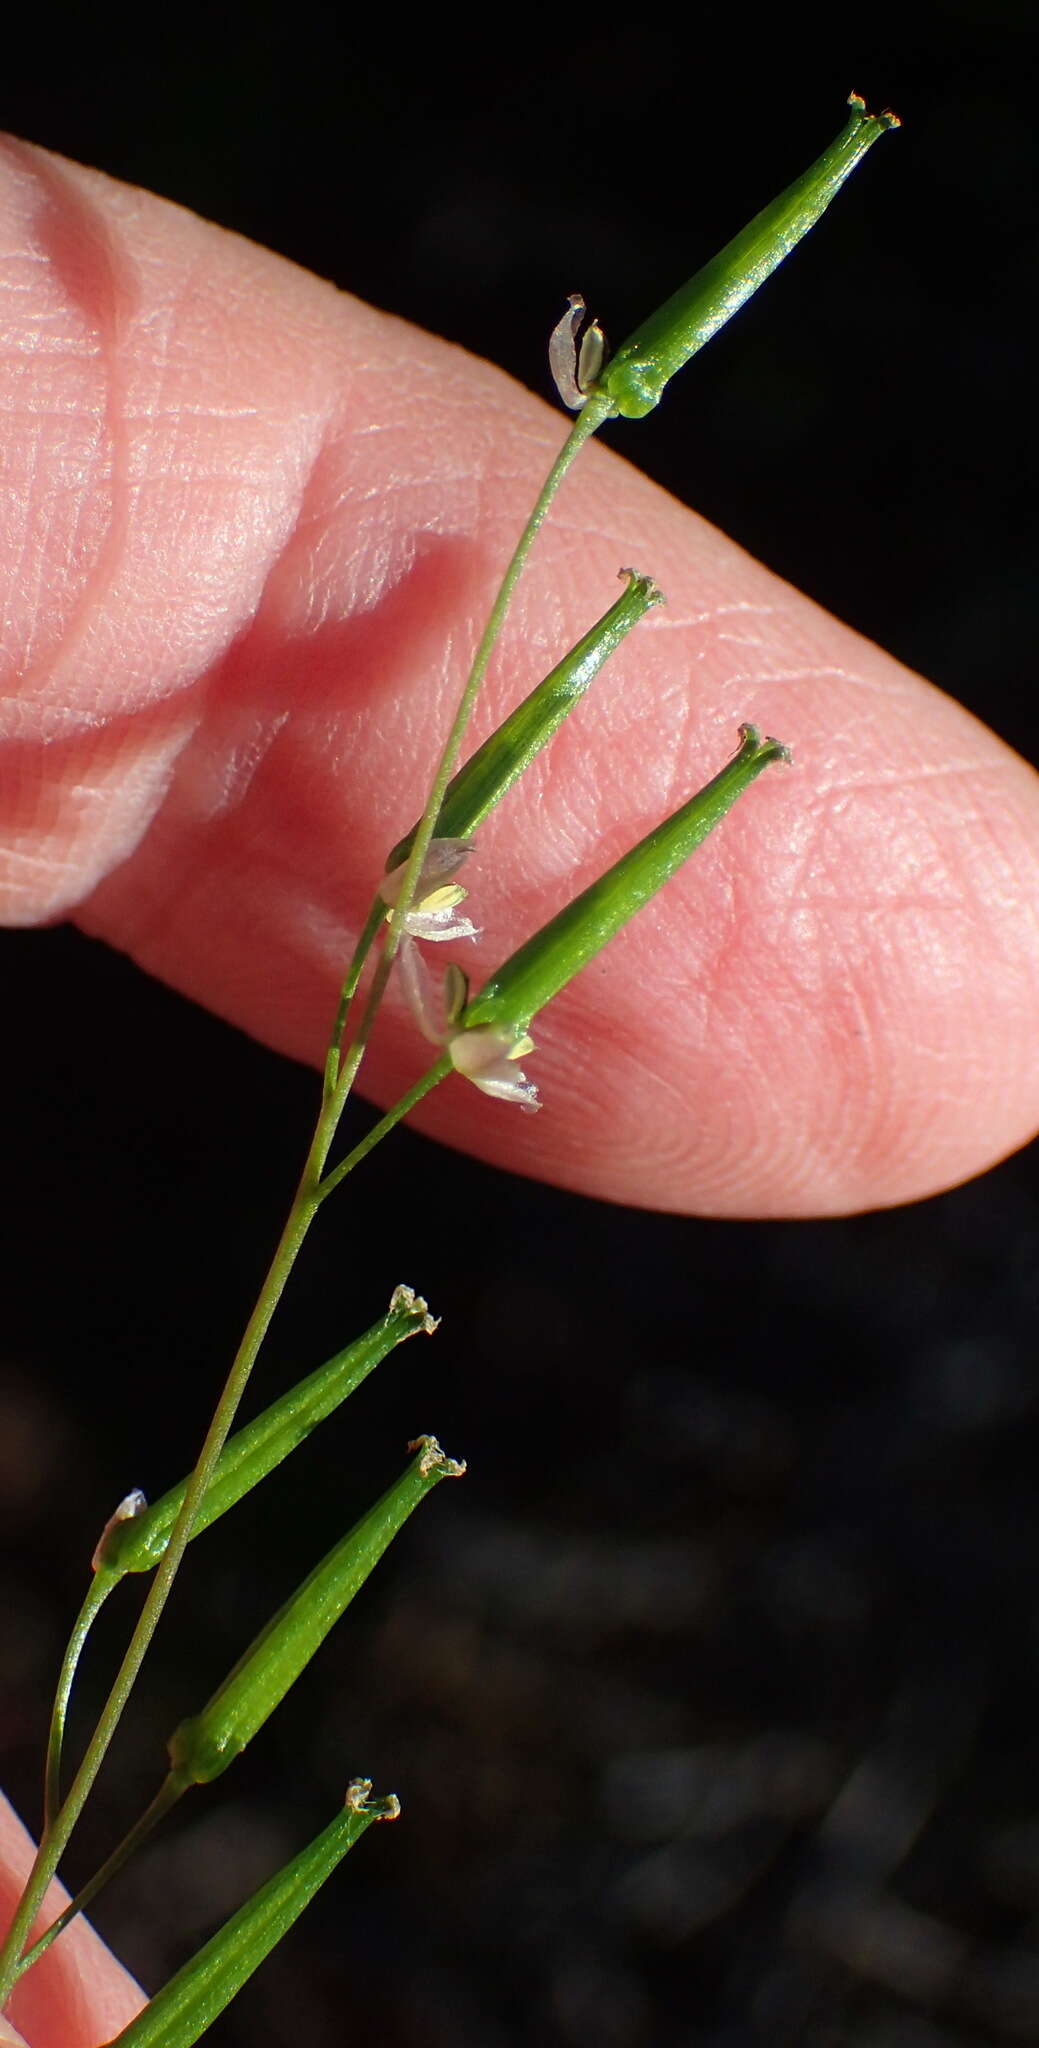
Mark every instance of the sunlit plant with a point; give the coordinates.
(487, 1036)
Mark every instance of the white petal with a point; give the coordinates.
(510, 1084)
(472, 1051)
(444, 857)
(443, 923)
(488, 1057)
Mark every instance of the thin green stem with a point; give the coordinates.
(589, 419)
(312, 1190)
(55, 1839)
(348, 991)
(167, 1796)
(97, 1593)
(386, 1124)
(310, 1193)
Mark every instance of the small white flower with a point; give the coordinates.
(432, 914)
(485, 1055)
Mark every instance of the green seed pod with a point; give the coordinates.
(182, 2011)
(634, 378)
(137, 1535)
(202, 1747)
(507, 1003)
(483, 780)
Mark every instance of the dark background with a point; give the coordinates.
(711, 1693)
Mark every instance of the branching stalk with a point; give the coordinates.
(494, 1023)
(345, 1069)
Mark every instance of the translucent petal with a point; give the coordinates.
(424, 993)
(473, 1051)
(440, 923)
(510, 1084)
(562, 352)
(443, 859)
(487, 1057)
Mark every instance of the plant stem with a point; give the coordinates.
(311, 1192)
(167, 1796)
(97, 1593)
(349, 990)
(379, 1131)
(55, 1838)
(589, 419)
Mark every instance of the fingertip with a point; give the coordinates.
(253, 659)
(78, 1994)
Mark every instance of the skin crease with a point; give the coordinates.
(249, 533)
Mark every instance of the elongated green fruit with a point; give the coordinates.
(180, 2013)
(634, 378)
(531, 977)
(483, 780)
(202, 1747)
(136, 1544)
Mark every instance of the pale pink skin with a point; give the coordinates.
(78, 1995)
(249, 532)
